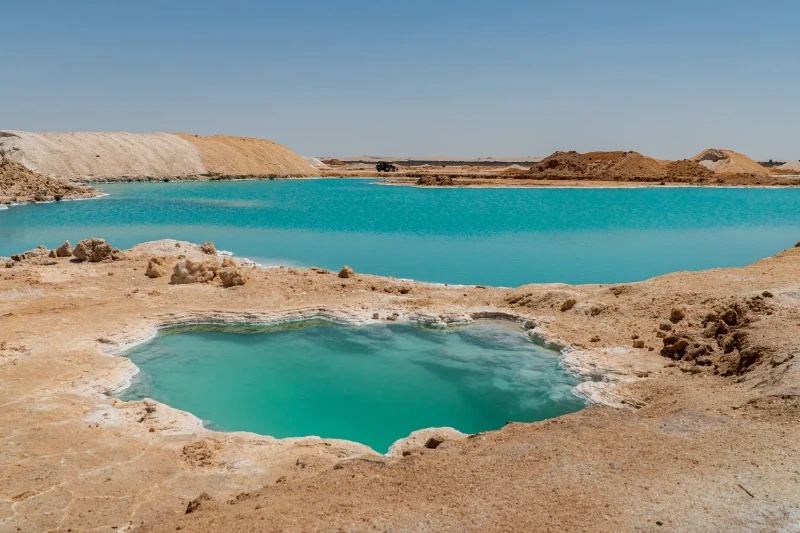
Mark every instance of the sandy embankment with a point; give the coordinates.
(708, 440)
(86, 157)
(594, 169)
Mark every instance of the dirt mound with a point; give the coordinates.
(686, 168)
(790, 165)
(245, 156)
(634, 165)
(599, 165)
(729, 162)
(99, 156)
(20, 185)
(571, 164)
(333, 162)
(625, 166)
(435, 181)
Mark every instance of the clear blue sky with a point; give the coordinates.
(422, 78)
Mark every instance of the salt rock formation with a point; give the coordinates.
(93, 250)
(194, 271)
(346, 272)
(430, 438)
(232, 277)
(39, 251)
(230, 274)
(209, 248)
(157, 267)
(65, 250)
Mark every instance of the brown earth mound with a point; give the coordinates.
(562, 164)
(435, 181)
(634, 165)
(333, 162)
(729, 162)
(20, 185)
(244, 156)
(599, 165)
(688, 169)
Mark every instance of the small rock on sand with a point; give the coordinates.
(346, 272)
(209, 248)
(157, 267)
(93, 250)
(676, 315)
(65, 250)
(567, 305)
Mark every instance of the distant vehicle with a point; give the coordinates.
(385, 167)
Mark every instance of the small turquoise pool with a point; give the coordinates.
(372, 384)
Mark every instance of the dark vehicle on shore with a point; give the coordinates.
(385, 167)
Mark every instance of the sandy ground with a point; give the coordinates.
(710, 442)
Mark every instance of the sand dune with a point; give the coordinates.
(245, 156)
(117, 156)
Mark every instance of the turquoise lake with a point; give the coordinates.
(504, 237)
(372, 384)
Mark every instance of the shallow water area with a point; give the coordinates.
(501, 237)
(371, 384)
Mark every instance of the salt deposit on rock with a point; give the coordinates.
(93, 250)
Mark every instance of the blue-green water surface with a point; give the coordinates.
(372, 384)
(504, 237)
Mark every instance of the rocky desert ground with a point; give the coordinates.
(693, 379)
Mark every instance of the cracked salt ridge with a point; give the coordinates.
(594, 392)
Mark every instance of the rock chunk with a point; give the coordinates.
(567, 305)
(676, 315)
(209, 248)
(157, 267)
(194, 271)
(232, 276)
(197, 502)
(93, 250)
(65, 250)
(346, 272)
